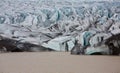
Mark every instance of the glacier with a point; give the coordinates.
(42, 21)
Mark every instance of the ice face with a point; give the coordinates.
(54, 18)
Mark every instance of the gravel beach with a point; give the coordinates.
(57, 62)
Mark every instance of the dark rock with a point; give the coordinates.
(15, 46)
(77, 49)
(114, 44)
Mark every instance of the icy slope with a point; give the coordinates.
(39, 21)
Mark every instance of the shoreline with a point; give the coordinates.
(57, 62)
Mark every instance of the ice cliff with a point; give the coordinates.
(43, 22)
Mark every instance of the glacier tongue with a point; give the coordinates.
(40, 21)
